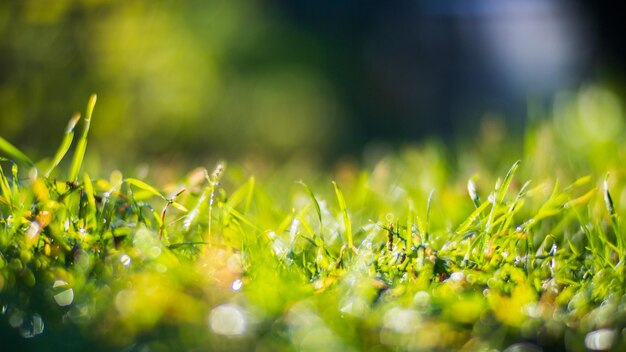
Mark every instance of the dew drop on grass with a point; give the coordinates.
(16, 318)
(125, 260)
(457, 276)
(32, 327)
(160, 268)
(154, 252)
(523, 347)
(421, 300)
(64, 295)
(401, 320)
(600, 340)
(32, 230)
(228, 320)
(280, 247)
(237, 284)
(354, 306)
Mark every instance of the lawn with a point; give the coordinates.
(488, 247)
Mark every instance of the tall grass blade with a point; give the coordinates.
(81, 146)
(498, 195)
(5, 188)
(428, 207)
(465, 225)
(65, 144)
(409, 226)
(13, 153)
(344, 211)
(199, 208)
(608, 201)
(251, 186)
(315, 204)
(504, 186)
(91, 201)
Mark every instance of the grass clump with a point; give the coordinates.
(405, 255)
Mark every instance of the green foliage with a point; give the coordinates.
(406, 261)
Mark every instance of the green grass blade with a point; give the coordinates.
(608, 201)
(13, 153)
(504, 186)
(409, 226)
(251, 185)
(470, 219)
(5, 188)
(65, 144)
(81, 146)
(429, 205)
(315, 204)
(498, 195)
(179, 207)
(344, 211)
(144, 186)
(91, 201)
(199, 208)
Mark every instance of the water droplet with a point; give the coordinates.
(553, 249)
(32, 230)
(125, 260)
(154, 252)
(65, 294)
(600, 340)
(227, 319)
(32, 327)
(16, 318)
(523, 347)
(280, 247)
(533, 310)
(401, 320)
(354, 306)
(293, 229)
(421, 299)
(126, 302)
(160, 268)
(237, 284)
(457, 276)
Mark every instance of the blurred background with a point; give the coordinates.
(188, 82)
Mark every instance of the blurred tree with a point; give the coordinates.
(199, 79)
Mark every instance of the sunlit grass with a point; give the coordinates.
(408, 254)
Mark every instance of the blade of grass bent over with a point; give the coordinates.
(65, 144)
(13, 153)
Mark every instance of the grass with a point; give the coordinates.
(405, 254)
